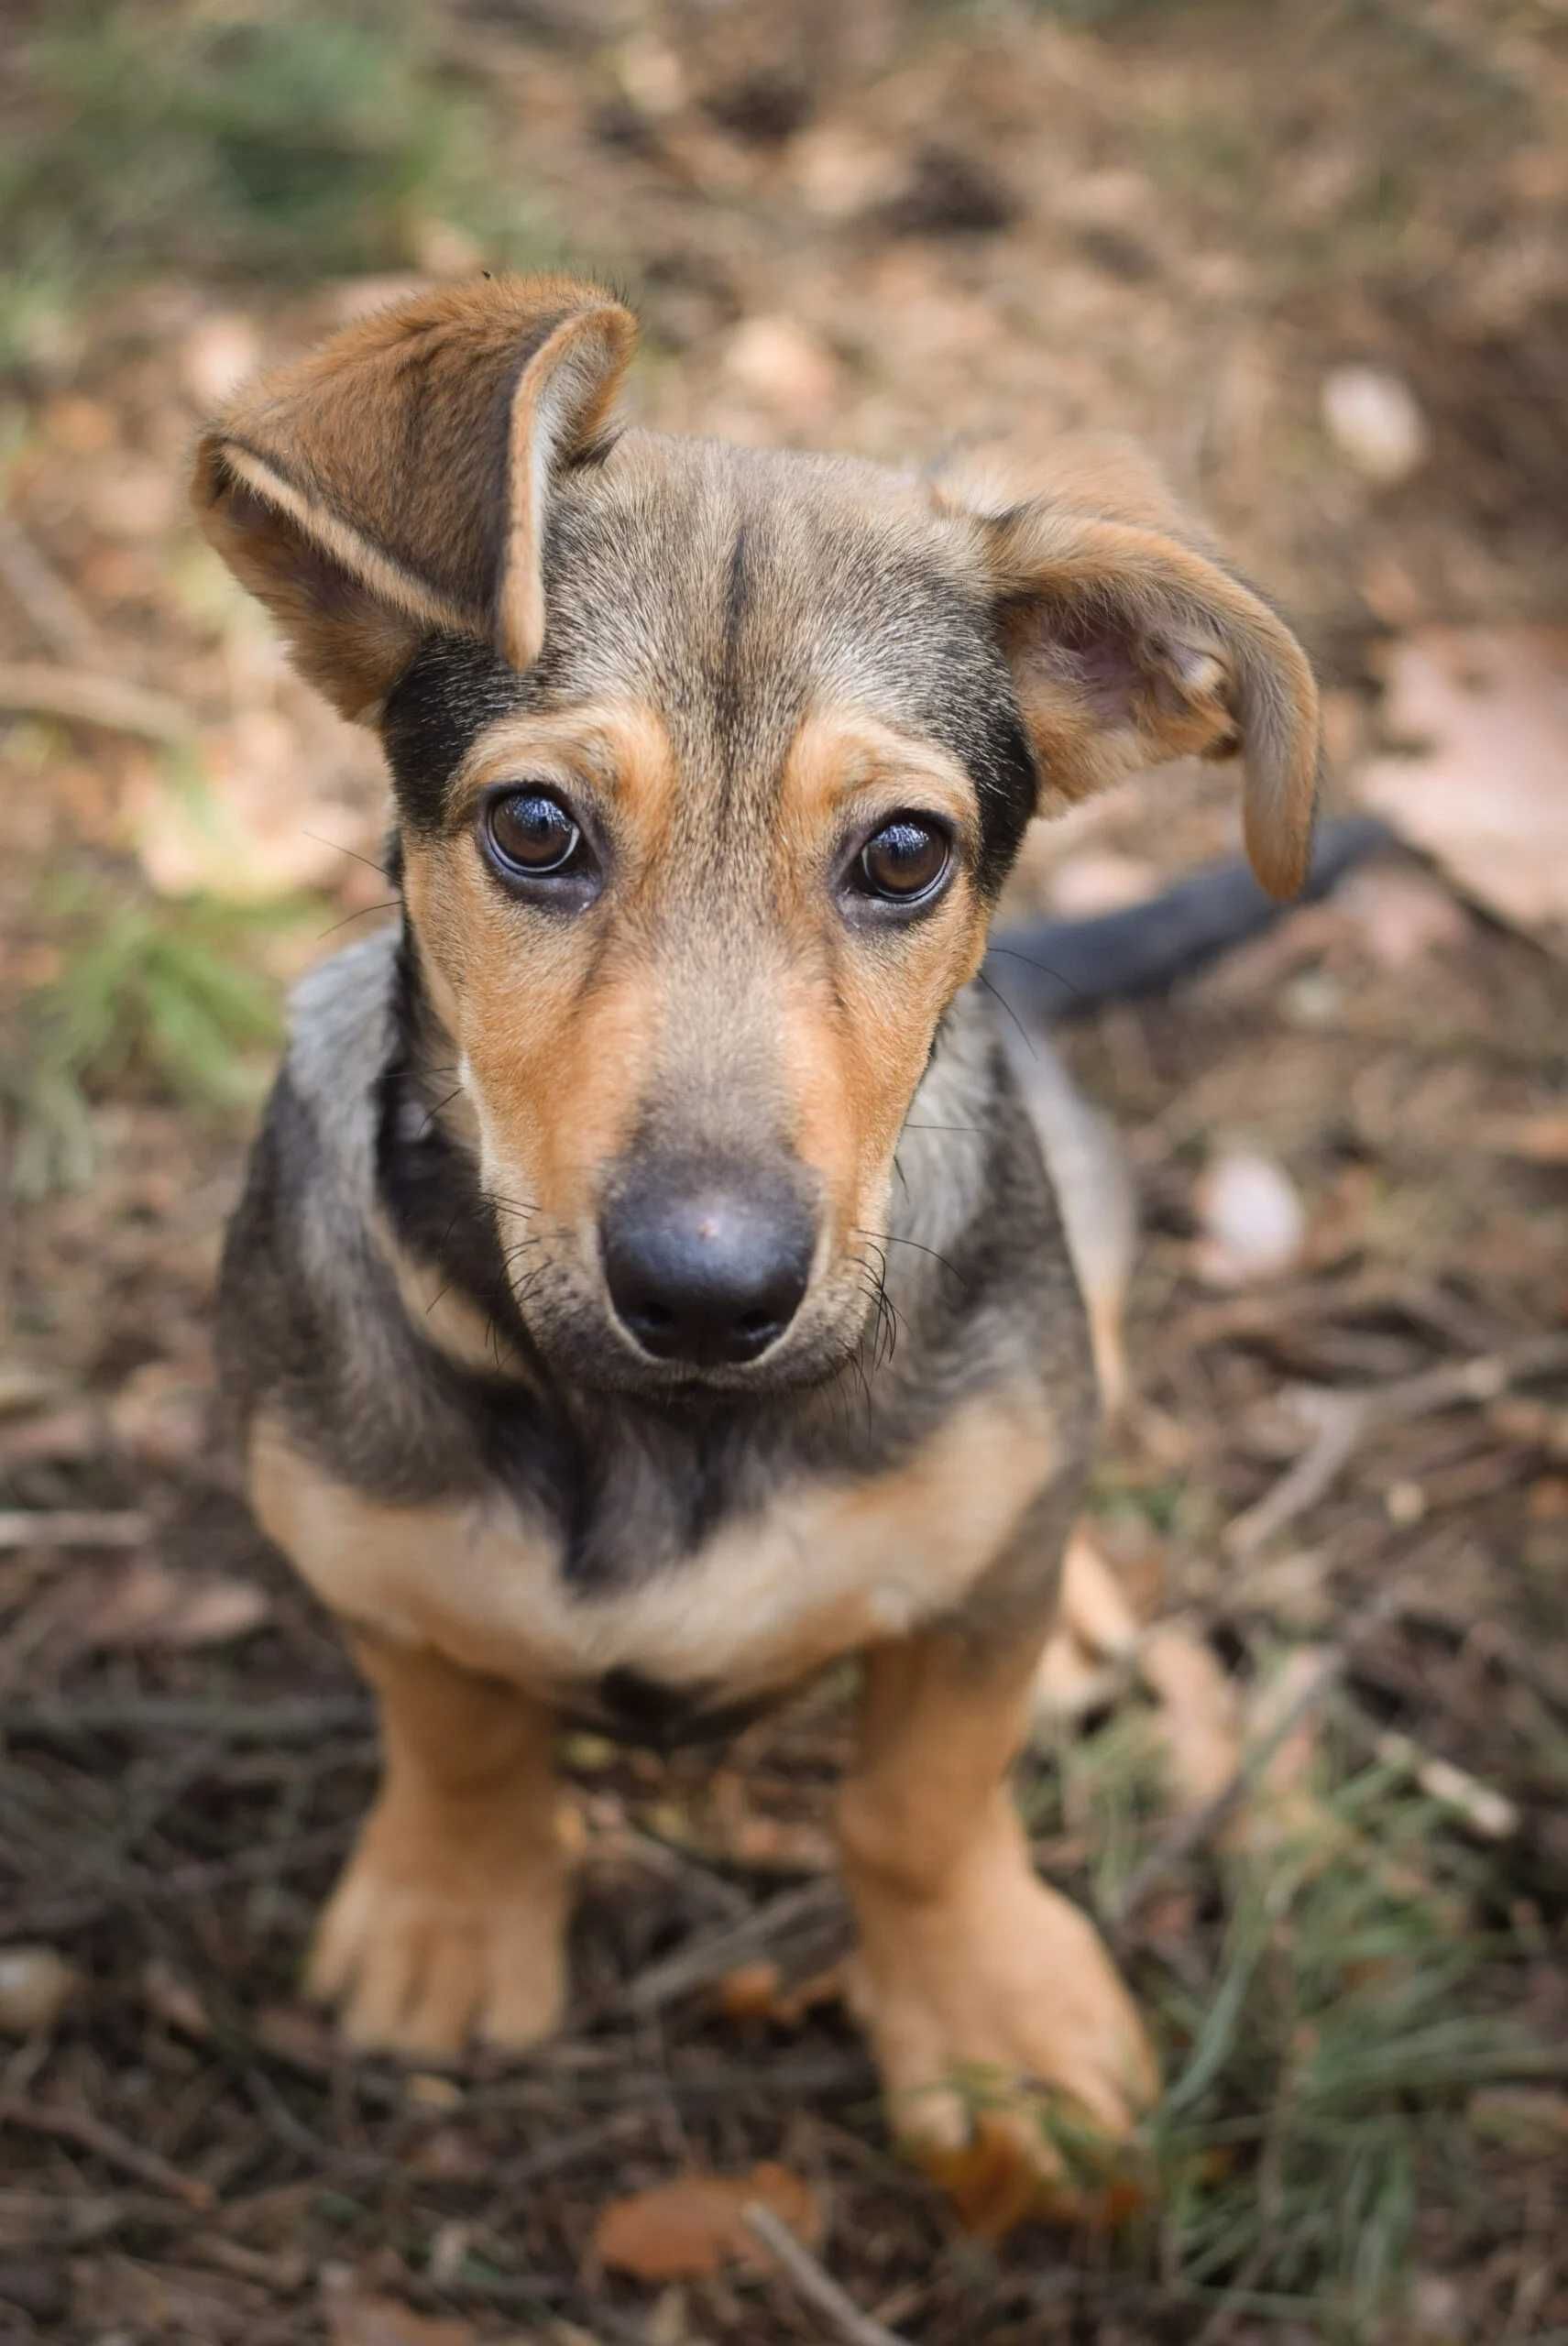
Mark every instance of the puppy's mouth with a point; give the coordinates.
(583, 1337)
(589, 1346)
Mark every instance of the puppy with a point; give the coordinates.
(649, 1286)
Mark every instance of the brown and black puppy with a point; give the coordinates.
(648, 1285)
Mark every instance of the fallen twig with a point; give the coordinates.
(818, 2287)
(711, 1957)
(72, 1528)
(81, 698)
(40, 591)
(1343, 1420)
(1486, 1811)
(89, 2133)
(1200, 1825)
(61, 1717)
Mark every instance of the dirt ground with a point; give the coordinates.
(1338, 1497)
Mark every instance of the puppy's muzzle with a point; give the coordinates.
(706, 1268)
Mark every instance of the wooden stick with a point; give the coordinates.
(291, 1719)
(711, 1957)
(818, 2288)
(1343, 1420)
(89, 2133)
(1200, 1825)
(82, 698)
(72, 1528)
(38, 588)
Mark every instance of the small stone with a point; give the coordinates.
(430, 2091)
(841, 173)
(1437, 2306)
(1252, 1222)
(652, 76)
(786, 367)
(36, 1985)
(1406, 1503)
(1374, 419)
(218, 355)
(1086, 884)
(440, 249)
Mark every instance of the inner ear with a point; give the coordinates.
(395, 482)
(1129, 647)
(350, 638)
(1125, 667)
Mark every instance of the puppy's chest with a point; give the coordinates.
(821, 1566)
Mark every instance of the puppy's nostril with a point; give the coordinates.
(712, 1274)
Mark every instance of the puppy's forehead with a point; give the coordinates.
(734, 591)
(707, 574)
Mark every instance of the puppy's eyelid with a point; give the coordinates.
(543, 779)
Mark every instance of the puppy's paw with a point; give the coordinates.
(1013, 2061)
(422, 1960)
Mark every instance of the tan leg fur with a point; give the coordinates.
(975, 1979)
(449, 1919)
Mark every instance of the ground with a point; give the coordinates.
(1341, 1486)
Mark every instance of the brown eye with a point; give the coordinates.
(530, 834)
(904, 861)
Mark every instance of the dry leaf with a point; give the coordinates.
(357, 2320)
(757, 1991)
(160, 1413)
(693, 2226)
(1543, 1140)
(1485, 791)
(1094, 1602)
(1401, 918)
(262, 824)
(147, 1605)
(750, 1992)
(303, 2039)
(994, 2188)
(669, 2321)
(1293, 1758)
(174, 2000)
(1068, 1684)
(135, 498)
(1530, 2118)
(1280, 1806)
(1084, 1660)
(1198, 1719)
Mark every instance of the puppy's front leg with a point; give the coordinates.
(979, 1985)
(449, 1919)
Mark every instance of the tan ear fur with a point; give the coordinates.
(395, 480)
(1130, 644)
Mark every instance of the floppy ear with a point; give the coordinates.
(395, 481)
(1130, 644)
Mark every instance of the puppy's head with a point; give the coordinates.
(708, 767)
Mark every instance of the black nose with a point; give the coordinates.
(706, 1269)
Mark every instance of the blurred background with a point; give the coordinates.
(1315, 257)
